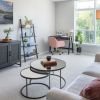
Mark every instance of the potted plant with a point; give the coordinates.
(25, 41)
(7, 32)
(79, 40)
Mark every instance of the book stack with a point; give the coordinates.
(49, 64)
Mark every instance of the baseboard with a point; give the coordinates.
(43, 53)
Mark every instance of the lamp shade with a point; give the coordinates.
(71, 31)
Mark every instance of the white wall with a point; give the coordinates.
(64, 16)
(42, 12)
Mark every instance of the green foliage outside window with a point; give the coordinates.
(86, 20)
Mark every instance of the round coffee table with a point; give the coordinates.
(29, 76)
(37, 67)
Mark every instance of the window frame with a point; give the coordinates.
(94, 20)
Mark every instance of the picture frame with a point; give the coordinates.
(6, 12)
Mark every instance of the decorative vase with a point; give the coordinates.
(48, 58)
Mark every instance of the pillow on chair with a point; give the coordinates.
(92, 90)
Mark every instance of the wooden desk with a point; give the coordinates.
(70, 44)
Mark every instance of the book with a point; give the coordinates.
(50, 63)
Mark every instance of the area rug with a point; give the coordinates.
(11, 82)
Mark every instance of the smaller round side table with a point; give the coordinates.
(29, 75)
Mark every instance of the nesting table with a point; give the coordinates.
(37, 71)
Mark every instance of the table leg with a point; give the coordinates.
(60, 79)
(72, 45)
(20, 62)
(72, 48)
(69, 47)
(26, 87)
(49, 80)
(30, 81)
(49, 49)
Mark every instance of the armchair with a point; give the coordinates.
(58, 94)
(55, 43)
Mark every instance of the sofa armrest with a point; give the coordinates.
(58, 94)
(97, 58)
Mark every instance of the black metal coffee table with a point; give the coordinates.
(29, 76)
(37, 67)
(37, 71)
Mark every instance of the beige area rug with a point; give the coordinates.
(11, 82)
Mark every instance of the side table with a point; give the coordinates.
(29, 76)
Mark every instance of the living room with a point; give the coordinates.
(26, 80)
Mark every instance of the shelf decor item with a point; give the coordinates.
(7, 32)
(48, 58)
(25, 40)
(28, 23)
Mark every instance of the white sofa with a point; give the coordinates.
(73, 90)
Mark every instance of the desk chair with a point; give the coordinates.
(55, 43)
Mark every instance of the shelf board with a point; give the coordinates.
(24, 26)
(27, 36)
(30, 54)
(29, 46)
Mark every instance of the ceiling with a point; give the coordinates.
(59, 0)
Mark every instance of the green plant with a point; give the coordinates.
(79, 37)
(7, 32)
(25, 40)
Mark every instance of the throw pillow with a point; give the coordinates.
(92, 90)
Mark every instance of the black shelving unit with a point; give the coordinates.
(28, 39)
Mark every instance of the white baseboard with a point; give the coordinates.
(43, 53)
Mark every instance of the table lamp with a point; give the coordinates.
(71, 32)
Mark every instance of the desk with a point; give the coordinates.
(70, 44)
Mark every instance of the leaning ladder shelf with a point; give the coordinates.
(24, 37)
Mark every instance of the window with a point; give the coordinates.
(97, 26)
(84, 4)
(87, 20)
(97, 3)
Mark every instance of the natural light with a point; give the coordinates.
(87, 20)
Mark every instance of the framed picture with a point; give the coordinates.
(6, 12)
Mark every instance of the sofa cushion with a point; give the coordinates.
(58, 94)
(92, 90)
(81, 81)
(93, 70)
